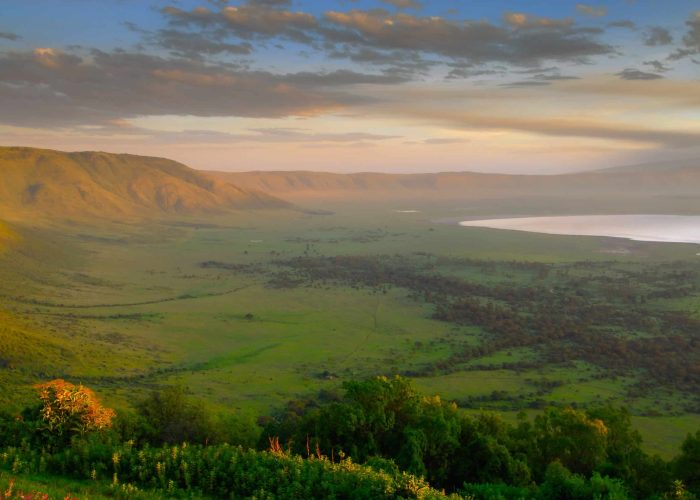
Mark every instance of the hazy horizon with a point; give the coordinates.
(395, 86)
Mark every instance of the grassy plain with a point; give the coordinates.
(126, 308)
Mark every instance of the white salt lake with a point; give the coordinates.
(661, 228)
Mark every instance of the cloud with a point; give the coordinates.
(526, 83)
(524, 40)
(635, 74)
(48, 87)
(404, 4)
(445, 140)
(562, 127)
(475, 41)
(301, 135)
(254, 135)
(657, 66)
(342, 77)
(271, 3)
(248, 21)
(691, 40)
(4, 35)
(555, 77)
(656, 35)
(525, 21)
(630, 25)
(590, 10)
(196, 44)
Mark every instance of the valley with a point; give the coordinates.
(237, 307)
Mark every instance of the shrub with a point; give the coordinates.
(68, 410)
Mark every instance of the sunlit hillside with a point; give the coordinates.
(52, 183)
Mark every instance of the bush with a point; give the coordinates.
(220, 471)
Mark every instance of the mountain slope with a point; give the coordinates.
(7, 237)
(56, 184)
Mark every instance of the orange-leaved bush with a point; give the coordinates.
(72, 409)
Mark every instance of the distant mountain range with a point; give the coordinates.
(671, 179)
(52, 183)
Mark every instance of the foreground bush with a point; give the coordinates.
(220, 471)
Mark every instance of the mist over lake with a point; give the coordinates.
(661, 228)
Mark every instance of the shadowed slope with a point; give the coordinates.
(45, 182)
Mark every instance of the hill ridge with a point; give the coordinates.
(90, 183)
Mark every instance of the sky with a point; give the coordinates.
(356, 85)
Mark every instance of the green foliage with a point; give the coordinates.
(687, 464)
(220, 471)
(424, 436)
(561, 484)
(570, 437)
(488, 491)
(383, 438)
(171, 416)
(383, 417)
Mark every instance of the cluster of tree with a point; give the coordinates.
(429, 437)
(379, 438)
(594, 312)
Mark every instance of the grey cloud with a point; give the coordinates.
(657, 66)
(635, 74)
(656, 35)
(9, 36)
(271, 3)
(404, 4)
(630, 25)
(461, 71)
(402, 65)
(50, 88)
(471, 40)
(341, 77)
(525, 40)
(526, 83)
(591, 10)
(538, 77)
(552, 78)
(196, 44)
(691, 40)
(249, 20)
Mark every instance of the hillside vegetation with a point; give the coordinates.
(57, 184)
(378, 438)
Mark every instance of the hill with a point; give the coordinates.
(57, 184)
(7, 236)
(683, 180)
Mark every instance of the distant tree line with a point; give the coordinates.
(601, 313)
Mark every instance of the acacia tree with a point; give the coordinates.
(68, 410)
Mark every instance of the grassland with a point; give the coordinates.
(126, 308)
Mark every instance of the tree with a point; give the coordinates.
(172, 417)
(571, 437)
(687, 464)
